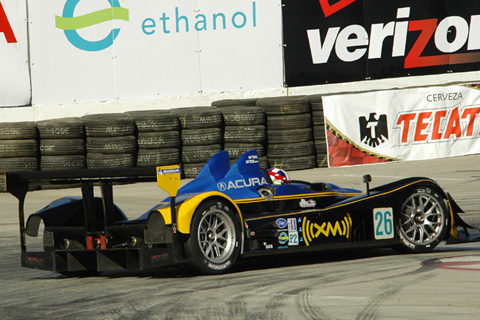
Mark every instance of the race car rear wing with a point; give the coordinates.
(90, 257)
(19, 183)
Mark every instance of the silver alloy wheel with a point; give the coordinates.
(422, 218)
(216, 236)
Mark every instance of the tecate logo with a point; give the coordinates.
(438, 124)
(241, 183)
(353, 42)
(71, 24)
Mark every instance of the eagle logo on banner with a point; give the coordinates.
(373, 131)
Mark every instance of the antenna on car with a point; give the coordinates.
(367, 179)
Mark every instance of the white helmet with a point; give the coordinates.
(278, 176)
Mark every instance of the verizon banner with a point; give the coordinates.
(349, 40)
(411, 124)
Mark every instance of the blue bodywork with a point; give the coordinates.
(240, 181)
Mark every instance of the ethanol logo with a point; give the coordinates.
(70, 24)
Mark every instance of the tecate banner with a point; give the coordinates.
(331, 41)
(410, 124)
(15, 78)
(97, 50)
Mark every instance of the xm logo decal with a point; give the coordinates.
(313, 230)
(71, 24)
(373, 131)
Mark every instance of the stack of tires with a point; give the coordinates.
(110, 141)
(289, 133)
(158, 137)
(62, 144)
(201, 136)
(319, 135)
(18, 146)
(244, 131)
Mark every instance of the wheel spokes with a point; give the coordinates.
(421, 218)
(216, 236)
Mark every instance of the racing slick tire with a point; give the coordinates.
(423, 221)
(214, 243)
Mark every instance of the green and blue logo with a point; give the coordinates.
(71, 24)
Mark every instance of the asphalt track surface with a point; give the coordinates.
(371, 284)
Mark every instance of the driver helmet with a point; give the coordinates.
(278, 176)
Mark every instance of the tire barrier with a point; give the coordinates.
(62, 144)
(287, 132)
(244, 130)
(18, 146)
(201, 135)
(319, 130)
(110, 141)
(158, 137)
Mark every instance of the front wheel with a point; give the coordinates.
(214, 243)
(423, 221)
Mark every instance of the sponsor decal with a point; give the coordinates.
(313, 230)
(281, 223)
(5, 26)
(222, 266)
(252, 159)
(436, 125)
(293, 239)
(283, 238)
(268, 246)
(71, 23)
(373, 131)
(241, 183)
(292, 224)
(307, 203)
(162, 172)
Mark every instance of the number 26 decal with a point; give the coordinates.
(383, 223)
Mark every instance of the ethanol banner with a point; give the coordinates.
(97, 50)
(15, 78)
(411, 124)
(349, 40)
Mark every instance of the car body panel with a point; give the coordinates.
(295, 217)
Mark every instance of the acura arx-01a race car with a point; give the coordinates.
(225, 213)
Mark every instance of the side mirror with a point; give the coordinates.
(367, 179)
(266, 192)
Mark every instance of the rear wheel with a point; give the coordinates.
(214, 243)
(423, 221)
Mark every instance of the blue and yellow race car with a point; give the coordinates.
(225, 213)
